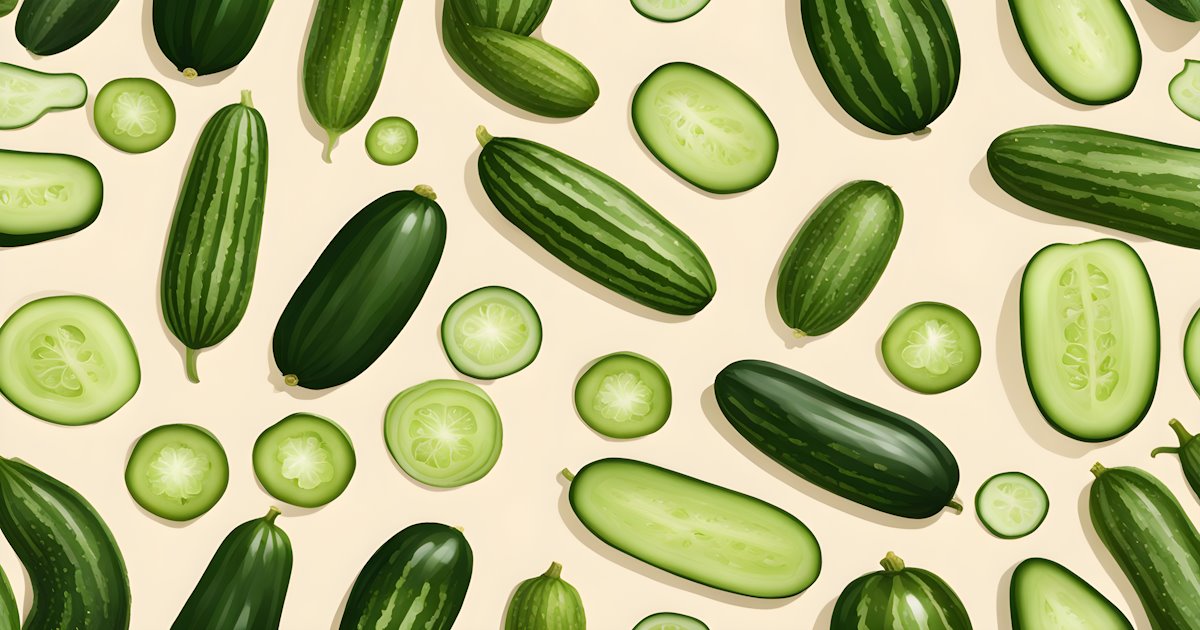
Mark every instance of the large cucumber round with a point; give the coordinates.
(545, 602)
(205, 36)
(900, 597)
(48, 27)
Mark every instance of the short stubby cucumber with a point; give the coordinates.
(206, 36)
(46, 195)
(1044, 595)
(48, 27)
(900, 597)
(26, 95)
(1188, 452)
(545, 602)
(134, 115)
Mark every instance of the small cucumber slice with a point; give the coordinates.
(134, 115)
(1044, 595)
(670, 621)
(624, 395)
(1185, 89)
(46, 195)
(931, 347)
(1012, 504)
(444, 433)
(491, 332)
(177, 471)
(391, 141)
(67, 359)
(305, 460)
(26, 95)
(669, 10)
(1191, 351)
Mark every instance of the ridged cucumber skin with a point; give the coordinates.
(595, 225)
(361, 291)
(246, 581)
(1187, 10)
(519, 17)
(206, 36)
(1019, 609)
(900, 597)
(417, 579)
(15, 240)
(893, 65)
(74, 564)
(546, 602)
(838, 256)
(1189, 454)
(48, 27)
(8, 605)
(212, 246)
(1153, 541)
(847, 446)
(1122, 182)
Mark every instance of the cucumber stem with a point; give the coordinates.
(246, 102)
(922, 132)
(568, 475)
(426, 192)
(291, 380)
(1164, 449)
(272, 514)
(554, 571)
(953, 504)
(190, 73)
(190, 356)
(328, 154)
(799, 334)
(892, 563)
(1098, 469)
(481, 134)
(1180, 432)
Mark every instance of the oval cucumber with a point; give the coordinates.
(669, 10)
(670, 621)
(624, 395)
(1012, 504)
(48, 27)
(1188, 452)
(545, 602)
(46, 195)
(305, 460)
(26, 95)
(491, 332)
(444, 433)
(900, 597)
(931, 347)
(1044, 595)
(207, 36)
(134, 115)
(1184, 89)
(177, 471)
(391, 141)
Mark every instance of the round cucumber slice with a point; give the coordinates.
(1191, 351)
(670, 621)
(67, 359)
(624, 395)
(1185, 89)
(931, 347)
(177, 471)
(305, 460)
(1012, 504)
(134, 115)
(669, 10)
(391, 141)
(491, 332)
(444, 433)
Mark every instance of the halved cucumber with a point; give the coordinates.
(67, 359)
(134, 115)
(305, 460)
(624, 395)
(670, 621)
(177, 471)
(391, 141)
(1044, 595)
(1012, 504)
(931, 347)
(704, 128)
(25, 95)
(444, 433)
(491, 332)
(46, 195)
(1191, 351)
(1185, 89)
(669, 10)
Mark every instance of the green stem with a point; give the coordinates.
(955, 505)
(799, 334)
(568, 475)
(426, 192)
(554, 571)
(190, 73)
(1164, 449)
(291, 380)
(333, 137)
(922, 132)
(272, 514)
(892, 563)
(1180, 432)
(481, 134)
(189, 355)
(246, 102)
(1098, 469)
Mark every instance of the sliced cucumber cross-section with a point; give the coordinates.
(624, 395)
(134, 115)
(669, 10)
(931, 347)
(1012, 505)
(670, 621)
(305, 460)
(177, 471)
(444, 433)
(26, 95)
(391, 141)
(491, 332)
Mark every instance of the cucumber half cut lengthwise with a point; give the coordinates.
(1044, 595)
(624, 395)
(669, 10)
(1185, 89)
(305, 460)
(931, 347)
(177, 471)
(670, 621)
(491, 332)
(134, 115)
(26, 95)
(444, 433)
(46, 195)
(1012, 504)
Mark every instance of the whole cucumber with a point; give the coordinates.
(545, 602)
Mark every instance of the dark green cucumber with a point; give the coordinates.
(595, 225)
(838, 256)
(361, 291)
(212, 248)
(74, 564)
(545, 602)
(1187, 10)
(206, 36)
(417, 579)
(8, 605)
(1153, 541)
(847, 446)
(48, 27)
(245, 583)
(7, 6)
(899, 597)
(1188, 452)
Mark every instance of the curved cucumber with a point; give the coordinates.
(206, 36)
(545, 602)
(26, 95)
(8, 605)
(177, 471)
(1188, 452)
(1186, 10)
(46, 195)
(900, 597)
(305, 460)
(134, 115)
(670, 621)
(669, 10)
(1044, 595)
(931, 347)
(48, 27)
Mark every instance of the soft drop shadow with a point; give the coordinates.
(1003, 602)
(1018, 59)
(771, 299)
(1140, 620)
(164, 65)
(507, 605)
(341, 609)
(287, 510)
(825, 617)
(1167, 33)
(314, 128)
(275, 377)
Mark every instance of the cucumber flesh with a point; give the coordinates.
(669, 10)
(1191, 351)
(670, 621)
(1045, 595)
(444, 433)
(491, 332)
(1185, 89)
(177, 471)
(624, 395)
(305, 460)
(46, 195)
(931, 347)
(134, 115)
(1012, 504)
(391, 141)
(26, 95)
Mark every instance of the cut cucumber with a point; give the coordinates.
(46, 195)
(134, 115)
(491, 332)
(1044, 595)
(931, 347)
(304, 459)
(67, 359)
(26, 95)
(704, 128)
(670, 621)
(1012, 504)
(391, 141)
(177, 471)
(1185, 89)
(1191, 351)
(669, 10)
(624, 395)
(444, 433)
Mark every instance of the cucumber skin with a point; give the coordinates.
(1187, 10)
(6, 7)
(1014, 603)
(48, 27)
(847, 446)
(8, 605)
(16, 240)
(870, 602)
(74, 564)
(391, 586)
(545, 602)
(208, 36)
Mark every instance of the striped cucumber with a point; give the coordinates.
(8, 605)
(205, 36)
(208, 267)
(48, 27)
(1186, 10)
(1188, 452)
(545, 602)
(900, 597)
(595, 225)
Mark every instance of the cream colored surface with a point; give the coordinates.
(964, 242)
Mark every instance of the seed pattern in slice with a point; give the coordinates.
(491, 332)
(1089, 329)
(391, 141)
(931, 347)
(624, 395)
(304, 459)
(177, 471)
(1012, 505)
(444, 433)
(134, 115)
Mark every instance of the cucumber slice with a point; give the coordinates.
(444, 433)
(1044, 595)
(46, 195)
(1012, 504)
(491, 332)
(391, 141)
(624, 395)
(134, 115)
(177, 471)
(670, 621)
(1191, 351)
(704, 128)
(67, 359)
(26, 95)
(1185, 89)
(669, 10)
(305, 460)
(931, 347)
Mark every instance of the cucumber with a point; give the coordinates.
(212, 247)
(417, 579)
(1044, 595)
(696, 530)
(177, 471)
(893, 65)
(1089, 338)
(1188, 452)
(1191, 351)
(704, 128)
(206, 36)
(1011, 505)
(1184, 89)
(444, 433)
(595, 225)
(46, 195)
(847, 446)
(491, 332)
(48, 27)
(670, 621)
(1154, 543)
(74, 565)
(67, 359)
(900, 597)
(304, 459)
(26, 95)
(8, 605)
(623, 395)
(361, 291)
(134, 115)
(7, 6)
(669, 10)
(837, 257)
(391, 141)
(245, 583)
(931, 347)
(545, 602)
(1186, 10)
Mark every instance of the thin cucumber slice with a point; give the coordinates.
(931, 347)
(444, 433)
(1012, 504)
(67, 359)
(491, 332)
(46, 195)
(1185, 89)
(670, 621)
(669, 10)
(391, 141)
(177, 471)
(1044, 595)
(305, 460)
(26, 95)
(624, 395)
(1191, 351)
(704, 128)
(134, 115)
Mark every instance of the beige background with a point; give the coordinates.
(964, 242)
